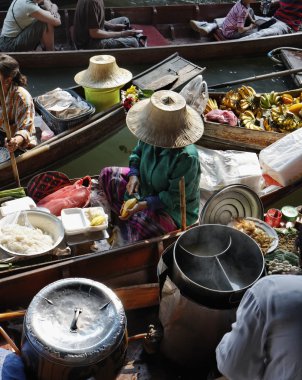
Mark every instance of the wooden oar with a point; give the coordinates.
(8, 134)
(257, 77)
(9, 341)
(183, 210)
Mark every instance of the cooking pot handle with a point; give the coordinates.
(235, 298)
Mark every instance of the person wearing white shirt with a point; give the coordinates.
(266, 340)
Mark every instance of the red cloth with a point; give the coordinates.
(154, 38)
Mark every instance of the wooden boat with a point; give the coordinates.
(223, 136)
(99, 127)
(168, 30)
(132, 275)
(292, 59)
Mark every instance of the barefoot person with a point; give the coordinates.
(27, 25)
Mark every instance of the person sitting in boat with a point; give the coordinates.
(239, 22)
(27, 25)
(287, 19)
(19, 106)
(166, 129)
(266, 335)
(92, 31)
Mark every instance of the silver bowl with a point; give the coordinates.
(48, 223)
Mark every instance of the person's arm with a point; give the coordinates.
(99, 33)
(50, 7)
(240, 354)
(187, 166)
(47, 17)
(115, 27)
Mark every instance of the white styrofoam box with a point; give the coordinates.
(93, 211)
(282, 160)
(77, 220)
(15, 205)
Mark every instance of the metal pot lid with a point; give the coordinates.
(234, 201)
(75, 321)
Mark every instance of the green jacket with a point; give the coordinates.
(160, 170)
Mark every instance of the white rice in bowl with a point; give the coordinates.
(25, 240)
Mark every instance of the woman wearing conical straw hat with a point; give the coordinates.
(19, 106)
(166, 129)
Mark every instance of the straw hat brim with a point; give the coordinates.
(179, 131)
(119, 79)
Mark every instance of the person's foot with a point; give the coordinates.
(203, 27)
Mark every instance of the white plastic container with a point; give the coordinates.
(20, 204)
(282, 160)
(77, 220)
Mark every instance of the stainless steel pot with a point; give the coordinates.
(220, 280)
(74, 329)
(47, 222)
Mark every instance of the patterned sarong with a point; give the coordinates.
(143, 225)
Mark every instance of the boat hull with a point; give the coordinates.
(169, 32)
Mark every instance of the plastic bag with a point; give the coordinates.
(282, 160)
(196, 94)
(71, 196)
(222, 168)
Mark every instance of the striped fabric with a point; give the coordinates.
(290, 12)
(235, 18)
(142, 225)
(20, 111)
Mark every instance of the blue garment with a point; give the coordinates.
(11, 366)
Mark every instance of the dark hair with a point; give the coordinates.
(9, 67)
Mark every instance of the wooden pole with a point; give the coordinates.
(257, 77)
(8, 134)
(183, 210)
(10, 341)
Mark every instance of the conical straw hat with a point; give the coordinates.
(165, 120)
(103, 72)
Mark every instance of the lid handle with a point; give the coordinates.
(73, 326)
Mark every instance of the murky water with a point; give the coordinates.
(115, 151)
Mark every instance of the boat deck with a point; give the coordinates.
(292, 59)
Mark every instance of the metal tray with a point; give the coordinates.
(234, 201)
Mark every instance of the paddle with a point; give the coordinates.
(257, 77)
(8, 134)
(183, 203)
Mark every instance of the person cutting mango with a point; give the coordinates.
(166, 129)
(19, 107)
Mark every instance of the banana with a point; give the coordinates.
(98, 220)
(129, 204)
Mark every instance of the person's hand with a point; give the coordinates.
(14, 143)
(116, 27)
(132, 185)
(136, 208)
(130, 33)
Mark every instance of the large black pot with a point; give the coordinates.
(219, 276)
(74, 329)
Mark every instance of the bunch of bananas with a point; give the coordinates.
(268, 111)
(270, 100)
(284, 120)
(211, 105)
(249, 121)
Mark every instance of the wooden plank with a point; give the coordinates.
(137, 297)
(293, 60)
